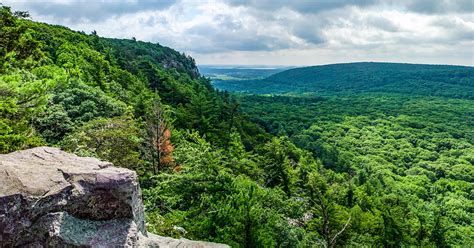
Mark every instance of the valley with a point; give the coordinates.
(395, 146)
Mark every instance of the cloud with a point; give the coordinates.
(299, 31)
(310, 30)
(455, 28)
(237, 32)
(441, 6)
(382, 23)
(91, 10)
(302, 6)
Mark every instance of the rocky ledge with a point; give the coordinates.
(50, 198)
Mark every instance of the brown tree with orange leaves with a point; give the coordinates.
(159, 135)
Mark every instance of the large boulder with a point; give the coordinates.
(50, 198)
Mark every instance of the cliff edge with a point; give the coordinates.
(50, 198)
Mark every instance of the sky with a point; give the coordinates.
(279, 32)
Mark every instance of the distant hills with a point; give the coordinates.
(219, 72)
(417, 79)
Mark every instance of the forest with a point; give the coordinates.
(390, 166)
(363, 77)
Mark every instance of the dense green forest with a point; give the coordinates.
(379, 169)
(414, 79)
(407, 161)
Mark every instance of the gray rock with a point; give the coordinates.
(160, 241)
(50, 198)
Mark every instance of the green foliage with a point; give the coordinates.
(395, 156)
(413, 79)
(22, 96)
(115, 139)
(96, 97)
(325, 193)
(54, 123)
(83, 103)
(18, 47)
(217, 205)
(280, 162)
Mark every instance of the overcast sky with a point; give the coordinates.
(278, 32)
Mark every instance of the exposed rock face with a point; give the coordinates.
(49, 198)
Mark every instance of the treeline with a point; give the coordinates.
(413, 79)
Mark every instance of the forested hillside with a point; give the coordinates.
(428, 80)
(383, 170)
(400, 136)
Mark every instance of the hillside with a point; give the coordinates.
(139, 105)
(52, 72)
(415, 79)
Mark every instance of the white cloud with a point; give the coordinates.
(294, 32)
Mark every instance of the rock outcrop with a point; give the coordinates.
(50, 198)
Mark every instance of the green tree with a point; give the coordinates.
(116, 140)
(331, 220)
(279, 163)
(22, 97)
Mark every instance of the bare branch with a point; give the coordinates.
(341, 231)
